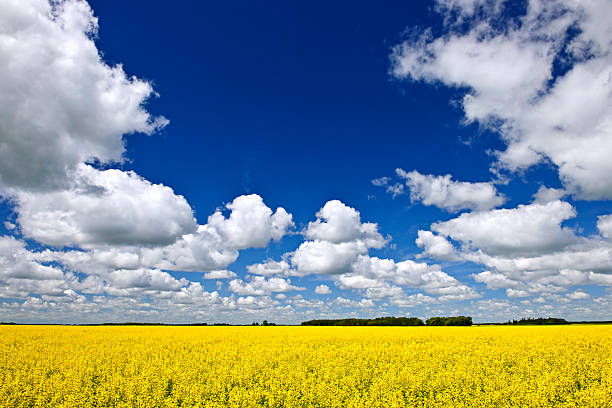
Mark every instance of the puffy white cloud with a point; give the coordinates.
(61, 104)
(251, 223)
(337, 223)
(495, 280)
(326, 258)
(353, 281)
(322, 290)
(145, 279)
(512, 90)
(259, 286)
(343, 302)
(338, 237)
(16, 262)
(21, 274)
(578, 295)
(604, 225)
(372, 272)
(271, 268)
(546, 195)
(527, 229)
(109, 207)
(204, 250)
(412, 300)
(516, 293)
(435, 246)
(219, 274)
(450, 195)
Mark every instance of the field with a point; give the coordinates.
(487, 366)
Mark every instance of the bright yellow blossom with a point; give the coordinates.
(54, 366)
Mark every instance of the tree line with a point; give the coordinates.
(393, 321)
(449, 321)
(538, 321)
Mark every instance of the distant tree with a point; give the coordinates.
(379, 321)
(449, 321)
(540, 321)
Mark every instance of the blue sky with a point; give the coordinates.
(240, 162)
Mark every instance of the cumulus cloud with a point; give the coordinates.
(220, 274)
(322, 290)
(271, 268)
(259, 286)
(61, 104)
(337, 237)
(578, 295)
(546, 195)
(16, 262)
(604, 225)
(145, 279)
(251, 223)
(109, 207)
(527, 229)
(512, 89)
(376, 273)
(435, 246)
(448, 194)
(337, 223)
(204, 250)
(326, 258)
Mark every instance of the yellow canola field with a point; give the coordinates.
(53, 366)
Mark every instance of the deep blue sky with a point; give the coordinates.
(293, 102)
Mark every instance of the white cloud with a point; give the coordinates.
(435, 246)
(495, 280)
(322, 290)
(516, 293)
(16, 263)
(202, 251)
(527, 229)
(251, 223)
(338, 223)
(511, 88)
(205, 250)
(259, 286)
(381, 181)
(61, 104)
(109, 207)
(326, 258)
(372, 272)
(353, 281)
(219, 274)
(578, 295)
(363, 303)
(412, 300)
(450, 195)
(338, 237)
(145, 279)
(546, 195)
(271, 268)
(604, 225)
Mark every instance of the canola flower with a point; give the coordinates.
(487, 366)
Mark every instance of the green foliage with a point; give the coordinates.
(449, 321)
(539, 321)
(379, 321)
